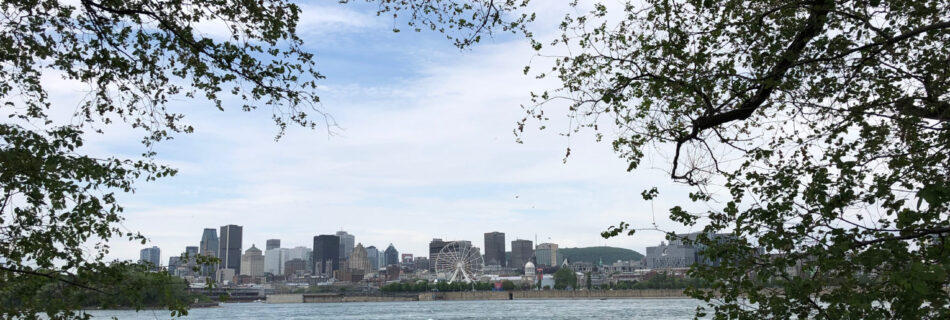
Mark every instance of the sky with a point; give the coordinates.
(425, 150)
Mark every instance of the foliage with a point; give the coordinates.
(58, 204)
(660, 281)
(462, 21)
(596, 254)
(507, 285)
(565, 278)
(818, 131)
(114, 285)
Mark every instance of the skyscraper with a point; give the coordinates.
(495, 249)
(326, 255)
(373, 255)
(152, 256)
(229, 248)
(208, 247)
(359, 260)
(274, 260)
(302, 253)
(272, 244)
(252, 262)
(435, 246)
(521, 252)
(346, 244)
(392, 256)
(546, 254)
(209, 243)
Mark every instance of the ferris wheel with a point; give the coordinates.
(459, 261)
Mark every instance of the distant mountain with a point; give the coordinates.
(595, 254)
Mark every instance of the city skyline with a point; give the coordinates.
(407, 164)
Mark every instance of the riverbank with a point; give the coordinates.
(482, 295)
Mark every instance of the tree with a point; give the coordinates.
(507, 285)
(816, 132)
(132, 57)
(588, 280)
(565, 278)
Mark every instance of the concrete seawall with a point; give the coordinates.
(481, 295)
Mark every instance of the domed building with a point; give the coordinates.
(252, 263)
(529, 269)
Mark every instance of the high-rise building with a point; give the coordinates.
(358, 260)
(546, 254)
(392, 256)
(373, 255)
(272, 244)
(208, 247)
(252, 262)
(407, 259)
(326, 255)
(521, 252)
(495, 249)
(152, 256)
(435, 246)
(346, 244)
(191, 252)
(274, 260)
(229, 248)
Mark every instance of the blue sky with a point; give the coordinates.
(426, 150)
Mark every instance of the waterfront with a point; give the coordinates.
(653, 309)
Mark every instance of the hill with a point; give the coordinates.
(595, 254)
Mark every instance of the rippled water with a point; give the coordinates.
(653, 309)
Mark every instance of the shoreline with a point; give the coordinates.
(482, 295)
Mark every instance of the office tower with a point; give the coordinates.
(229, 248)
(359, 260)
(272, 244)
(521, 252)
(208, 247)
(252, 262)
(346, 244)
(495, 249)
(326, 255)
(546, 254)
(152, 256)
(392, 256)
(173, 263)
(209, 243)
(435, 246)
(373, 255)
(274, 260)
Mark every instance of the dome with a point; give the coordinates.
(529, 269)
(529, 265)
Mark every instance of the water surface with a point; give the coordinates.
(653, 309)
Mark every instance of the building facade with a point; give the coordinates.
(151, 256)
(295, 267)
(373, 255)
(326, 255)
(435, 246)
(208, 247)
(252, 262)
(346, 244)
(359, 260)
(229, 248)
(521, 252)
(546, 255)
(274, 260)
(495, 249)
(272, 244)
(392, 255)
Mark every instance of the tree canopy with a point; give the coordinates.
(816, 130)
(58, 205)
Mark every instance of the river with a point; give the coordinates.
(652, 309)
